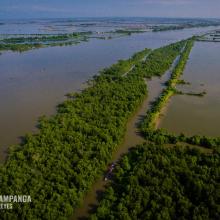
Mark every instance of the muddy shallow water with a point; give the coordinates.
(191, 114)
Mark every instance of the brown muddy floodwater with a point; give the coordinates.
(131, 139)
(191, 114)
(34, 82)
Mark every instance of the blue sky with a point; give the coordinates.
(105, 8)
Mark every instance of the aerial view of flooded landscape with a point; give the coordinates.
(109, 112)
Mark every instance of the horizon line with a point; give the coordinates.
(90, 17)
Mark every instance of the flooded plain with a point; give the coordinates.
(34, 82)
(193, 114)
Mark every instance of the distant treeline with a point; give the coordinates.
(184, 26)
(30, 42)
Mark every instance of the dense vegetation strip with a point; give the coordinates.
(37, 41)
(154, 182)
(152, 115)
(159, 60)
(19, 47)
(123, 66)
(45, 38)
(161, 136)
(128, 31)
(59, 164)
(184, 26)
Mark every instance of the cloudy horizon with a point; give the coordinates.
(110, 8)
